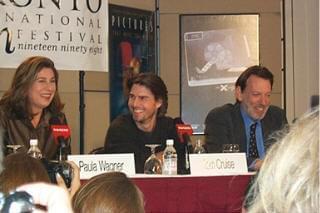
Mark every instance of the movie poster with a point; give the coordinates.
(132, 50)
(215, 49)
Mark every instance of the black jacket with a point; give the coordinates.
(225, 125)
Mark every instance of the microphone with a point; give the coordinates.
(60, 132)
(61, 135)
(183, 130)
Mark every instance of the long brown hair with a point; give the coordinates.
(109, 192)
(19, 169)
(15, 100)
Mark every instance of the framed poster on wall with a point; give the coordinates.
(214, 50)
(131, 50)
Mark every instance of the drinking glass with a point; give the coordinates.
(14, 147)
(230, 148)
(199, 149)
(153, 164)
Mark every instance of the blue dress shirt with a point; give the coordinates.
(259, 138)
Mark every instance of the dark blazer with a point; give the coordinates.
(225, 125)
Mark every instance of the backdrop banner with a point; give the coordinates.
(71, 33)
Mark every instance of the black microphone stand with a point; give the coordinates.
(187, 151)
(82, 107)
(64, 148)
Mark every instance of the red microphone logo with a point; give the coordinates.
(183, 129)
(60, 131)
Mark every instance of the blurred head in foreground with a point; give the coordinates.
(288, 180)
(20, 168)
(109, 192)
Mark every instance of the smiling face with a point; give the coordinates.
(255, 98)
(42, 90)
(143, 106)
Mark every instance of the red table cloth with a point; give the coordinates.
(221, 194)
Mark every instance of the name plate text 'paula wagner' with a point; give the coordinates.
(218, 164)
(92, 165)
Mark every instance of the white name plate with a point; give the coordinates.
(92, 165)
(218, 164)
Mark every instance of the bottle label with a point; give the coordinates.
(170, 166)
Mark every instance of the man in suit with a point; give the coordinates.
(250, 121)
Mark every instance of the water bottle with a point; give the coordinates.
(34, 150)
(169, 159)
(199, 149)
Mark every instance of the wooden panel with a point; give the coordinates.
(276, 99)
(140, 4)
(218, 6)
(71, 110)
(96, 119)
(68, 81)
(174, 106)
(96, 81)
(6, 76)
(270, 46)
(169, 52)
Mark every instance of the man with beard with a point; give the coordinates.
(250, 121)
(146, 123)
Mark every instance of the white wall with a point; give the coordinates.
(302, 55)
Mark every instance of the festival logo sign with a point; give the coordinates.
(72, 33)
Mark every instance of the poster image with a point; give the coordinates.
(132, 50)
(214, 49)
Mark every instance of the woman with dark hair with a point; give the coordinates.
(29, 105)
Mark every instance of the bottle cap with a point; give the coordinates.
(34, 142)
(169, 142)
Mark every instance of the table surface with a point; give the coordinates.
(221, 194)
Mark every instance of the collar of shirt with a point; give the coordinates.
(259, 138)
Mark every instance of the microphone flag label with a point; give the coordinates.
(60, 131)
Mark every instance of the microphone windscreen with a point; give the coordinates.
(55, 121)
(183, 130)
(60, 130)
(178, 120)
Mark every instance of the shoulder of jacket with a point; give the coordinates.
(226, 108)
(121, 120)
(165, 118)
(275, 110)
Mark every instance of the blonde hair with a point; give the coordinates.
(110, 192)
(288, 180)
